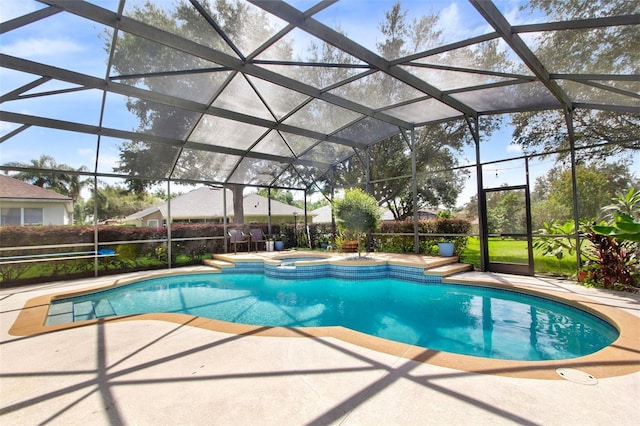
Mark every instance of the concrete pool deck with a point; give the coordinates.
(154, 370)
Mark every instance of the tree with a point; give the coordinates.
(437, 146)
(117, 201)
(512, 211)
(155, 161)
(357, 213)
(506, 211)
(48, 180)
(597, 184)
(596, 51)
(52, 175)
(161, 194)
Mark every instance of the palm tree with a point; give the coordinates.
(37, 178)
(72, 184)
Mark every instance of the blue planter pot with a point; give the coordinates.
(279, 245)
(446, 249)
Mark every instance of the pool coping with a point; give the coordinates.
(620, 358)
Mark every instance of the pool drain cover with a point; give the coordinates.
(577, 376)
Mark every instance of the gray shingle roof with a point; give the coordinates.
(207, 202)
(255, 204)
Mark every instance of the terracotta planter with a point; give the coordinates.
(582, 275)
(350, 246)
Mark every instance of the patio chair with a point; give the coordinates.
(236, 236)
(256, 237)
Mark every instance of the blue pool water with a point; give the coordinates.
(462, 319)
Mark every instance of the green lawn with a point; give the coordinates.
(515, 251)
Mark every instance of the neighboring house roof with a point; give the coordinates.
(428, 212)
(207, 202)
(142, 213)
(257, 205)
(17, 190)
(200, 203)
(387, 215)
(322, 214)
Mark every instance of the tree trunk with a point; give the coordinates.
(238, 204)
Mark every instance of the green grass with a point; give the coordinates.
(516, 251)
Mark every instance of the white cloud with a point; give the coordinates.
(38, 47)
(107, 162)
(516, 15)
(513, 14)
(450, 18)
(514, 148)
(460, 24)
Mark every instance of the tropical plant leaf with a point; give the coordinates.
(624, 228)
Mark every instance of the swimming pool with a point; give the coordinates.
(462, 319)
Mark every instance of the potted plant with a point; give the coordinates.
(323, 242)
(446, 248)
(357, 214)
(270, 244)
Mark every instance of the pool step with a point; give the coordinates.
(104, 309)
(217, 264)
(449, 269)
(433, 265)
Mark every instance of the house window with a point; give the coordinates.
(22, 216)
(33, 216)
(152, 223)
(11, 216)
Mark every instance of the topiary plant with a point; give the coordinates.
(357, 214)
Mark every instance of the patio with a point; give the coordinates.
(143, 371)
(285, 96)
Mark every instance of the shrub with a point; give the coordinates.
(357, 214)
(611, 261)
(555, 239)
(127, 251)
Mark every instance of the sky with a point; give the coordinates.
(64, 40)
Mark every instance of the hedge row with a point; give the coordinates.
(131, 256)
(429, 226)
(151, 250)
(13, 236)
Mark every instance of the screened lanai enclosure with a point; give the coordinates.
(420, 103)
